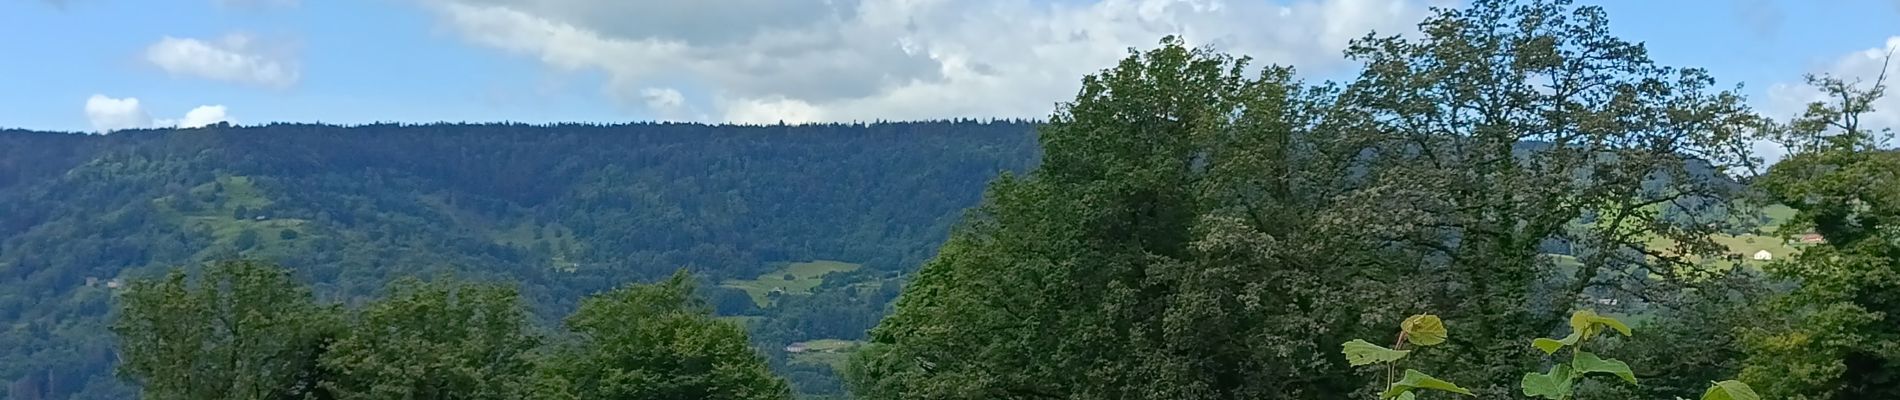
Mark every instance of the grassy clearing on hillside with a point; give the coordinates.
(227, 208)
(829, 345)
(555, 239)
(829, 352)
(236, 191)
(1776, 215)
(1746, 245)
(805, 276)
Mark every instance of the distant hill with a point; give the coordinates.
(564, 210)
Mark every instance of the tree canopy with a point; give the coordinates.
(1198, 229)
(1541, 210)
(1834, 336)
(244, 330)
(656, 342)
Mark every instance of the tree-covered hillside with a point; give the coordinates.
(1520, 203)
(563, 211)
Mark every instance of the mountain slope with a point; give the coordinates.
(564, 210)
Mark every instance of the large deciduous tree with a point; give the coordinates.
(1199, 231)
(1509, 125)
(437, 339)
(1173, 244)
(1839, 339)
(656, 341)
(241, 330)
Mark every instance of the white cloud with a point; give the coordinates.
(198, 117)
(663, 97)
(772, 111)
(110, 114)
(205, 115)
(234, 58)
(666, 102)
(829, 60)
(1788, 99)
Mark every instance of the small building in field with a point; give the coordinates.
(1764, 255)
(796, 348)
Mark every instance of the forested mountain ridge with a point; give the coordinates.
(1494, 197)
(560, 210)
(563, 210)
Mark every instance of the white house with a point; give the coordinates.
(1764, 255)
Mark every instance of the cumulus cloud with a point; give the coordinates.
(198, 117)
(109, 114)
(662, 98)
(1789, 99)
(205, 115)
(667, 103)
(829, 60)
(235, 58)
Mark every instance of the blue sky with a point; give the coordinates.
(76, 65)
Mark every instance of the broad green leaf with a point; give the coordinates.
(1582, 324)
(1422, 381)
(1730, 390)
(1586, 324)
(1360, 352)
(1419, 380)
(1406, 396)
(1613, 324)
(1553, 385)
(1549, 346)
(1424, 330)
(1586, 363)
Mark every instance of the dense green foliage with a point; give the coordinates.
(245, 330)
(1201, 231)
(1835, 336)
(1560, 383)
(1423, 330)
(433, 340)
(242, 331)
(655, 342)
(561, 210)
(1132, 264)
(1195, 228)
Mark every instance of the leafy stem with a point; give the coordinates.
(1421, 330)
